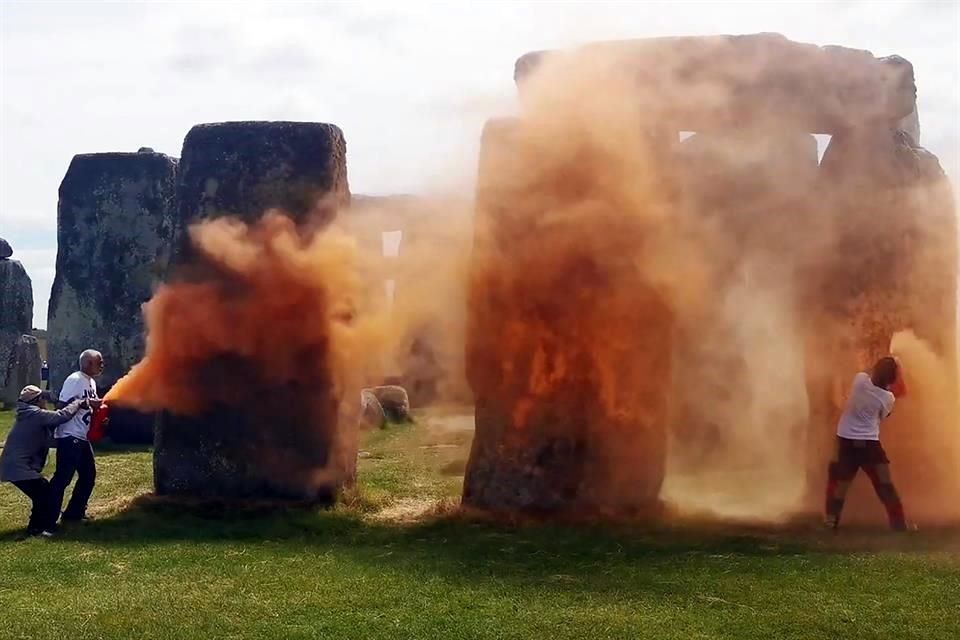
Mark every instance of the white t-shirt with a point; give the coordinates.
(867, 405)
(77, 385)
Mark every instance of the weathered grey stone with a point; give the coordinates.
(244, 168)
(262, 437)
(225, 454)
(389, 403)
(371, 411)
(16, 308)
(129, 426)
(274, 440)
(708, 83)
(115, 228)
(5, 249)
(23, 368)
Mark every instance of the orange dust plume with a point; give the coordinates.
(922, 437)
(284, 300)
(657, 261)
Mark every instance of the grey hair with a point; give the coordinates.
(88, 355)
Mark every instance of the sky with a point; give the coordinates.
(410, 83)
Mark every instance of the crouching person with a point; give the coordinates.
(25, 454)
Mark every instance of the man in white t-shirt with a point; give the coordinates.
(74, 453)
(858, 441)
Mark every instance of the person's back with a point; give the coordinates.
(82, 386)
(25, 453)
(867, 405)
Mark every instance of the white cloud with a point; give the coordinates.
(410, 86)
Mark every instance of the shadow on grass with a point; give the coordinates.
(108, 448)
(157, 520)
(573, 560)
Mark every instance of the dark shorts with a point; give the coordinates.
(850, 457)
(860, 453)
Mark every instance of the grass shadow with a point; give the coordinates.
(152, 519)
(575, 559)
(109, 448)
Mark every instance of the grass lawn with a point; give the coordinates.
(385, 565)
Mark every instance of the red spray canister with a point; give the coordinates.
(97, 423)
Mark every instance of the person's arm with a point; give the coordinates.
(52, 419)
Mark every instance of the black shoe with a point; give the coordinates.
(71, 521)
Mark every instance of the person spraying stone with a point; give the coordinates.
(858, 445)
(74, 452)
(25, 454)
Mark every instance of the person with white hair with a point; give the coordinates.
(25, 454)
(74, 452)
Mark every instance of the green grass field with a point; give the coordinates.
(395, 561)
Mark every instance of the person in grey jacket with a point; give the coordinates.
(25, 453)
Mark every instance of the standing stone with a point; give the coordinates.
(5, 249)
(264, 437)
(244, 168)
(114, 232)
(16, 308)
(23, 368)
(271, 443)
(877, 256)
(570, 408)
(892, 266)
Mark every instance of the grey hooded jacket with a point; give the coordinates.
(28, 443)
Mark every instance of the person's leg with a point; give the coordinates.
(63, 476)
(878, 470)
(840, 474)
(38, 490)
(86, 478)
